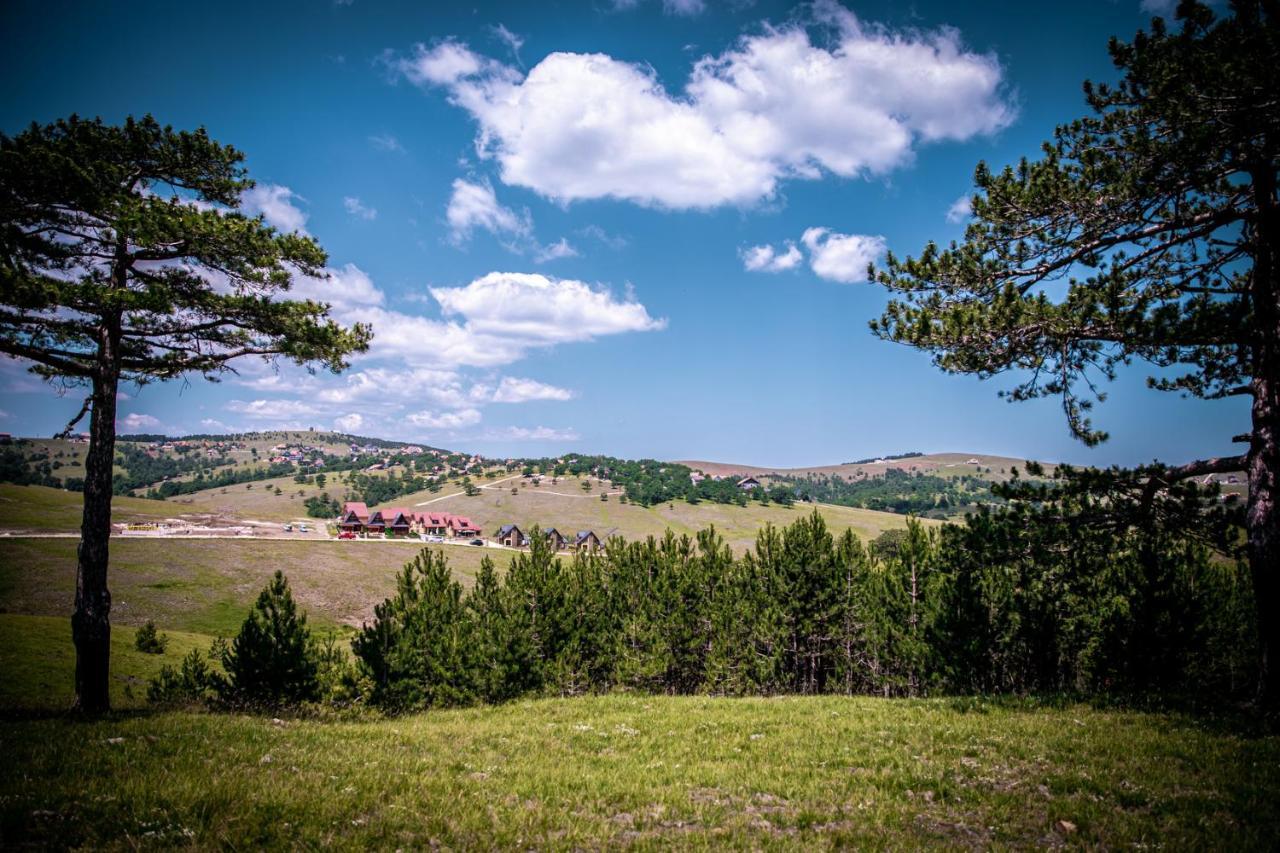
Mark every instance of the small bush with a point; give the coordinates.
(150, 641)
(192, 682)
(273, 660)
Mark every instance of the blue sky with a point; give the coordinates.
(634, 228)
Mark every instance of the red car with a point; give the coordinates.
(346, 534)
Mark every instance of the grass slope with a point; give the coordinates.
(938, 464)
(39, 508)
(660, 772)
(567, 508)
(38, 662)
(207, 585)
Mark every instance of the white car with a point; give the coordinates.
(431, 538)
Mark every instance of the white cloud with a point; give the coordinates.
(555, 251)
(536, 310)
(444, 420)
(684, 7)
(4, 415)
(275, 203)
(348, 423)
(960, 210)
(768, 259)
(215, 425)
(386, 142)
(539, 433)
(841, 257)
(356, 208)
(271, 410)
(514, 390)
(137, 423)
(613, 241)
(344, 288)
(510, 39)
(473, 205)
(780, 104)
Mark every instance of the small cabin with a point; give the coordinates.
(748, 483)
(588, 541)
(555, 540)
(510, 536)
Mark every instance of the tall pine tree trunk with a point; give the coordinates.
(90, 624)
(1263, 514)
(1264, 531)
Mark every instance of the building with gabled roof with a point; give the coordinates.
(510, 535)
(588, 541)
(354, 517)
(555, 539)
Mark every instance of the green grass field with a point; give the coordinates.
(637, 772)
(39, 508)
(207, 585)
(567, 508)
(38, 662)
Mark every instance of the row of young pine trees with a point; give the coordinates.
(1007, 602)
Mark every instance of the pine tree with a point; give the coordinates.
(272, 661)
(1160, 216)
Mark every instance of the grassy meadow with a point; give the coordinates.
(645, 772)
(40, 508)
(207, 585)
(566, 507)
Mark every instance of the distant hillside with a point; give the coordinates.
(940, 464)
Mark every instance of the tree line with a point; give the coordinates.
(1076, 587)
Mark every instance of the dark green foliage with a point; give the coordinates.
(193, 682)
(150, 641)
(272, 661)
(322, 506)
(898, 490)
(1074, 590)
(418, 651)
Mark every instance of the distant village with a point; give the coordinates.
(356, 520)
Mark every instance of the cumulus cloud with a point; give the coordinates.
(275, 203)
(514, 390)
(137, 423)
(271, 410)
(348, 423)
(537, 310)
(841, 257)
(834, 95)
(444, 420)
(768, 259)
(356, 208)
(960, 210)
(473, 204)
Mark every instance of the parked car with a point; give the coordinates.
(477, 541)
(288, 528)
(346, 534)
(303, 528)
(431, 537)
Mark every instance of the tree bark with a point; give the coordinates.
(90, 624)
(1263, 523)
(1262, 515)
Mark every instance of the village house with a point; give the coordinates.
(461, 526)
(555, 540)
(510, 536)
(354, 517)
(587, 541)
(395, 521)
(748, 483)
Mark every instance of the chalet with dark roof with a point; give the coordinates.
(588, 541)
(510, 536)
